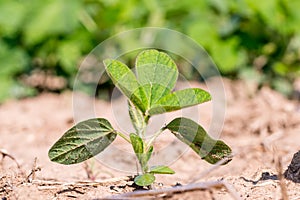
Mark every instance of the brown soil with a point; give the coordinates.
(262, 127)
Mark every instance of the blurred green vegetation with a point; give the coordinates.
(249, 39)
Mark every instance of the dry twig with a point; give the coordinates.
(34, 169)
(48, 184)
(5, 154)
(178, 189)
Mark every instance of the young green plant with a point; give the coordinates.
(149, 93)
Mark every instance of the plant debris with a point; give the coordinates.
(264, 176)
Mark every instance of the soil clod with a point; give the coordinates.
(293, 171)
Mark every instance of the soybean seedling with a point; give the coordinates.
(149, 93)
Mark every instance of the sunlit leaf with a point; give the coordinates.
(83, 141)
(157, 73)
(196, 137)
(180, 99)
(161, 169)
(126, 81)
(137, 118)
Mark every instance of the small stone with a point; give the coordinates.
(293, 171)
(177, 185)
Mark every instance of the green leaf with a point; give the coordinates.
(83, 141)
(137, 145)
(68, 54)
(11, 23)
(157, 73)
(180, 99)
(196, 137)
(12, 60)
(161, 170)
(144, 180)
(48, 18)
(148, 154)
(126, 81)
(137, 118)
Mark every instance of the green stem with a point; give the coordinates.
(142, 131)
(125, 137)
(153, 138)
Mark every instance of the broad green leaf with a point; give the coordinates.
(137, 118)
(144, 180)
(83, 141)
(161, 170)
(180, 99)
(126, 81)
(157, 73)
(196, 137)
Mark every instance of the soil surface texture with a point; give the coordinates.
(261, 126)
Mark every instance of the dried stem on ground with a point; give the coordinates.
(160, 193)
(31, 175)
(5, 154)
(49, 184)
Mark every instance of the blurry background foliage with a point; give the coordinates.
(42, 43)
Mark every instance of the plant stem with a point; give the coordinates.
(152, 139)
(124, 137)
